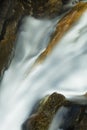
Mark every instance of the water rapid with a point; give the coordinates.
(64, 70)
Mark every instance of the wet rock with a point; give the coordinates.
(82, 121)
(82, 125)
(11, 13)
(62, 27)
(46, 8)
(45, 113)
(74, 119)
(9, 19)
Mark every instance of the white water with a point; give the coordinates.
(58, 119)
(65, 70)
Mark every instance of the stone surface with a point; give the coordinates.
(74, 119)
(82, 125)
(62, 27)
(46, 8)
(10, 17)
(11, 13)
(45, 113)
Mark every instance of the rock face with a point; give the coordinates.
(82, 125)
(46, 8)
(9, 18)
(47, 109)
(62, 27)
(11, 12)
(45, 113)
(76, 118)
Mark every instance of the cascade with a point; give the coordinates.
(63, 71)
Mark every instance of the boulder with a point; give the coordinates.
(45, 112)
(74, 119)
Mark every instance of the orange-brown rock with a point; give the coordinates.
(63, 26)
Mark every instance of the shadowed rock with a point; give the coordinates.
(45, 113)
(82, 125)
(11, 13)
(49, 106)
(9, 18)
(75, 118)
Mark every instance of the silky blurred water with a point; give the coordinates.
(64, 70)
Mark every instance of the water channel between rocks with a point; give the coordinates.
(63, 71)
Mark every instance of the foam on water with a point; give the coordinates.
(65, 70)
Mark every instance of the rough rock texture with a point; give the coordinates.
(75, 119)
(11, 12)
(45, 113)
(9, 18)
(47, 8)
(82, 125)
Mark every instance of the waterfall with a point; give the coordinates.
(64, 70)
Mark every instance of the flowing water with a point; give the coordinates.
(64, 70)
